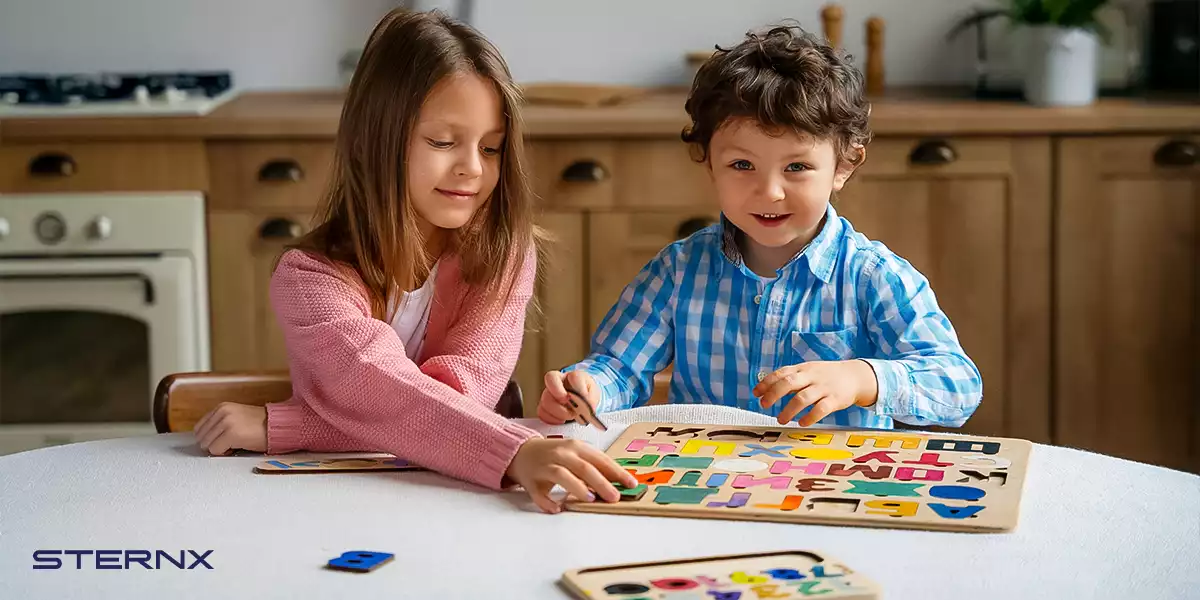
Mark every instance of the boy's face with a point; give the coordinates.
(775, 188)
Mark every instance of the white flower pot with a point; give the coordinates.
(1061, 66)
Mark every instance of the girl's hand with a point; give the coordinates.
(826, 386)
(232, 426)
(553, 408)
(542, 463)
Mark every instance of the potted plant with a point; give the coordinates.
(1060, 43)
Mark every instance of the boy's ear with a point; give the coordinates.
(846, 168)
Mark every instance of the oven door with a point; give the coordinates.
(84, 341)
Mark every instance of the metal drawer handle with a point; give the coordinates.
(1177, 153)
(52, 164)
(933, 152)
(281, 170)
(584, 171)
(692, 225)
(280, 229)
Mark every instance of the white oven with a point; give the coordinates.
(101, 295)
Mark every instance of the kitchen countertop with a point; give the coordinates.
(300, 115)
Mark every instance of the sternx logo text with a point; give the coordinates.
(121, 559)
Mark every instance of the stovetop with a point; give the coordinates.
(162, 93)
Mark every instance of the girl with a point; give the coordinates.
(403, 310)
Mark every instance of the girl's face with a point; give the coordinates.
(454, 152)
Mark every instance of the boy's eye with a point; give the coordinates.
(796, 167)
(440, 143)
(741, 165)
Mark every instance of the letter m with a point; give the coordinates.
(884, 440)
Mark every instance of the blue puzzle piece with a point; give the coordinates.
(360, 561)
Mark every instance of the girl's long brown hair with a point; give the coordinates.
(365, 219)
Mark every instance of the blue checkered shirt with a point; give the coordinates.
(843, 297)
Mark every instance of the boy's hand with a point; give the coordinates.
(553, 408)
(232, 426)
(826, 386)
(572, 464)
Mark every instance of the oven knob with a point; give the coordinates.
(50, 228)
(3, 228)
(100, 228)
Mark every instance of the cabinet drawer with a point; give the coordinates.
(1165, 155)
(94, 167)
(269, 175)
(621, 243)
(656, 174)
(573, 174)
(933, 156)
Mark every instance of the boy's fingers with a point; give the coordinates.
(795, 382)
(820, 410)
(578, 381)
(803, 399)
(554, 385)
(553, 413)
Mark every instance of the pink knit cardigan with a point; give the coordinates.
(354, 389)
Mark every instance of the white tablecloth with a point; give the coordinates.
(1091, 527)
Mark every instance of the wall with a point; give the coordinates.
(297, 43)
(266, 43)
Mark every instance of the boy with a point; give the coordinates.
(782, 298)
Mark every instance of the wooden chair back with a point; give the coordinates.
(182, 399)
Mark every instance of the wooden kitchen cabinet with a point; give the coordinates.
(973, 215)
(243, 249)
(49, 167)
(1127, 264)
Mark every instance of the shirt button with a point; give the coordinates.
(762, 375)
(758, 299)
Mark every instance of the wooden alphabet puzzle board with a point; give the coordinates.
(882, 478)
(335, 465)
(795, 574)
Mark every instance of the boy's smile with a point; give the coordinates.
(774, 187)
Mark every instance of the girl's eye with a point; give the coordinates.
(490, 151)
(796, 167)
(440, 144)
(741, 165)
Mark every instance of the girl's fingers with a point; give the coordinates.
(540, 494)
(222, 444)
(564, 477)
(214, 430)
(200, 426)
(592, 477)
(609, 467)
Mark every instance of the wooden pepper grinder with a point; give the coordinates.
(831, 19)
(875, 72)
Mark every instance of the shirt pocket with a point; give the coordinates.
(841, 344)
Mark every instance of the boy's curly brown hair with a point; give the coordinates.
(786, 80)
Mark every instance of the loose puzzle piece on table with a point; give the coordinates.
(360, 561)
(883, 478)
(783, 575)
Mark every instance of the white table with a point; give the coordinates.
(1091, 527)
